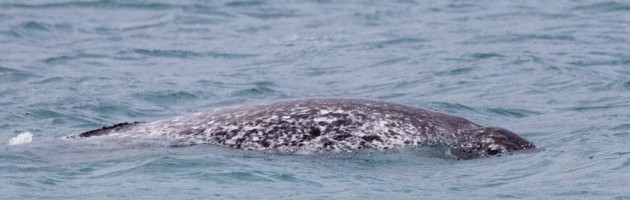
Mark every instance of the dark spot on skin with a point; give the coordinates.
(314, 132)
(218, 140)
(327, 143)
(186, 132)
(371, 138)
(360, 117)
(239, 141)
(392, 133)
(250, 132)
(466, 150)
(337, 115)
(340, 137)
(493, 151)
(233, 132)
(341, 122)
(300, 116)
(264, 143)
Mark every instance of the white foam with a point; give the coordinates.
(22, 138)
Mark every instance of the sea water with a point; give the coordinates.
(555, 72)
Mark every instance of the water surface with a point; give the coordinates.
(557, 73)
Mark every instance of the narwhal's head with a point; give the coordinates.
(488, 141)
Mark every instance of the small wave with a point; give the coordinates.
(244, 3)
(13, 75)
(95, 4)
(589, 63)
(22, 138)
(399, 41)
(266, 14)
(67, 58)
(38, 29)
(166, 53)
(455, 72)
(188, 54)
(35, 26)
(452, 107)
(481, 56)
(162, 97)
(605, 7)
(516, 113)
(259, 89)
(519, 38)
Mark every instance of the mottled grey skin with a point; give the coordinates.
(326, 125)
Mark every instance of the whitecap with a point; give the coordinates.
(22, 138)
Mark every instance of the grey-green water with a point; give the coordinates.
(557, 73)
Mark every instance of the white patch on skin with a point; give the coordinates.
(324, 119)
